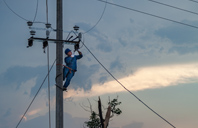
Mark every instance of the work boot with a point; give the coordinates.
(64, 89)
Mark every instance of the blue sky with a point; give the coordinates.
(154, 58)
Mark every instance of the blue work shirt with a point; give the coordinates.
(71, 62)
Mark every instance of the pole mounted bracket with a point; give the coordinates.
(54, 40)
(74, 39)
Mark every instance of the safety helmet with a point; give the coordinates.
(67, 50)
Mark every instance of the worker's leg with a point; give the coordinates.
(65, 71)
(69, 77)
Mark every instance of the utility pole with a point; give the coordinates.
(59, 70)
(59, 54)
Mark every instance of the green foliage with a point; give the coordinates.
(94, 121)
(113, 105)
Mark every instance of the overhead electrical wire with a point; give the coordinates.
(106, 2)
(143, 13)
(160, 17)
(14, 11)
(37, 3)
(173, 7)
(47, 10)
(35, 95)
(126, 88)
(194, 1)
(98, 19)
(35, 15)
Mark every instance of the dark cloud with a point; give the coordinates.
(116, 64)
(103, 79)
(122, 42)
(14, 76)
(103, 44)
(82, 78)
(135, 125)
(17, 75)
(184, 49)
(104, 47)
(7, 113)
(179, 34)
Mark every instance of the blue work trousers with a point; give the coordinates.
(68, 75)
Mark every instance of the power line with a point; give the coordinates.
(47, 10)
(194, 1)
(99, 18)
(36, 10)
(173, 7)
(160, 17)
(14, 11)
(35, 94)
(126, 88)
(23, 17)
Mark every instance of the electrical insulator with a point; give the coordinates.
(29, 23)
(45, 44)
(79, 36)
(76, 47)
(48, 25)
(30, 43)
(76, 28)
(32, 32)
(47, 33)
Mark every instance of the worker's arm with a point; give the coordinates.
(80, 55)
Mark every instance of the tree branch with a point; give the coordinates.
(90, 105)
(100, 113)
(85, 108)
(107, 117)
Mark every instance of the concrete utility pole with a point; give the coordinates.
(59, 55)
(59, 70)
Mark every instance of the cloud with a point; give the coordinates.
(103, 43)
(116, 64)
(122, 41)
(134, 125)
(12, 111)
(7, 113)
(15, 77)
(103, 79)
(85, 27)
(33, 112)
(104, 46)
(184, 49)
(178, 34)
(82, 77)
(42, 121)
(143, 78)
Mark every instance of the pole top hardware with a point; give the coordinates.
(48, 25)
(29, 23)
(54, 40)
(32, 32)
(76, 28)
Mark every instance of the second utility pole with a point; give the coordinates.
(59, 70)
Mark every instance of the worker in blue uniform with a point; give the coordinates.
(71, 67)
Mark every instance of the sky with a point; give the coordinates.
(152, 57)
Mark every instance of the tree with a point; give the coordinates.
(97, 120)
